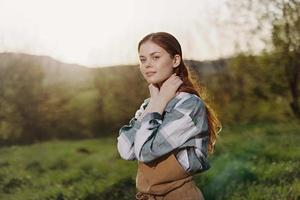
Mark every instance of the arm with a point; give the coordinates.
(193, 160)
(198, 159)
(127, 134)
(158, 136)
(157, 103)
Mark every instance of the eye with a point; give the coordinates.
(142, 60)
(156, 57)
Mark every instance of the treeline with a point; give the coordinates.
(37, 103)
(34, 108)
(41, 98)
(251, 89)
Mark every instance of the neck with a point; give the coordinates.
(158, 85)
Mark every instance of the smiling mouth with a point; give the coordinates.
(150, 74)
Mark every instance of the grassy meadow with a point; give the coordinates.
(251, 161)
(59, 122)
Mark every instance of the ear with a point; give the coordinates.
(176, 60)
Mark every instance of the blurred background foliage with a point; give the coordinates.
(38, 102)
(255, 94)
(41, 98)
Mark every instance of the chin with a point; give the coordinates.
(153, 81)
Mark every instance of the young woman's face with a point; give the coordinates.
(156, 65)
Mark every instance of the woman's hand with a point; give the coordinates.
(154, 96)
(154, 91)
(160, 97)
(169, 88)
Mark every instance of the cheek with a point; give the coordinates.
(166, 67)
(142, 69)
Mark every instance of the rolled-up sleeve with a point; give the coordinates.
(198, 161)
(193, 160)
(160, 135)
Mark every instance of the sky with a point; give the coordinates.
(99, 33)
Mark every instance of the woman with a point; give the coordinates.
(174, 129)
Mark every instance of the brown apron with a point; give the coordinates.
(164, 178)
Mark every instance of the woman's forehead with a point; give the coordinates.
(149, 48)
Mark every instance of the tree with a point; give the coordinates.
(277, 23)
(286, 41)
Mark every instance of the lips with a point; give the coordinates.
(150, 73)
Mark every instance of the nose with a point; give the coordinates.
(148, 64)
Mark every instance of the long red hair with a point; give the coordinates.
(190, 85)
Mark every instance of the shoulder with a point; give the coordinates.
(189, 97)
(184, 100)
(188, 101)
(193, 106)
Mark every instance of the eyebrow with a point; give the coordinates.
(151, 53)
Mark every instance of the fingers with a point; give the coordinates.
(175, 79)
(178, 82)
(153, 90)
(151, 86)
(174, 76)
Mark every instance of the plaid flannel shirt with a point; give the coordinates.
(183, 125)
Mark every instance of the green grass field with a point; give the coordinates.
(257, 161)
